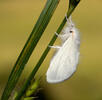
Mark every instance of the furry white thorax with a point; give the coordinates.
(64, 62)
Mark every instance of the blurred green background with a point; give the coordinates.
(17, 18)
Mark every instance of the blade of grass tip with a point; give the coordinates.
(31, 76)
(29, 46)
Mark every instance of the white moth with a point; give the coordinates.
(65, 60)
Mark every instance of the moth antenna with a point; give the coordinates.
(66, 18)
(69, 21)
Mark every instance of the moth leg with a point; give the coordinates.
(63, 37)
(55, 47)
(58, 35)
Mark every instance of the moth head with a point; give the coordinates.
(70, 25)
(70, 28)
(74, 33)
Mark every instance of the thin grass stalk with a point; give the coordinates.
(72, 5)
(29, 47)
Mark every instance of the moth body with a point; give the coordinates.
(64, 62)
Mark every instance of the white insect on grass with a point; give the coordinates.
(64, 62)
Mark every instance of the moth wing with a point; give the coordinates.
(63, 64)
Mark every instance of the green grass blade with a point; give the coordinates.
(72, 6)
(29, 46)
